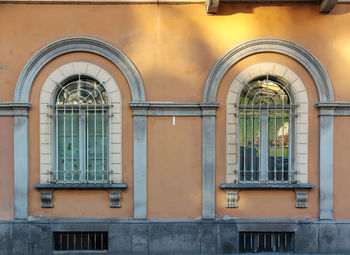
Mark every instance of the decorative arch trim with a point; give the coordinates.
(78, 44)
(293, 50)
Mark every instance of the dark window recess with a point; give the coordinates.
(255, 242)
(70, 241)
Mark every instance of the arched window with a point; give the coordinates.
(266, 131)
(80, 126)
(81, 120)
(267, 126)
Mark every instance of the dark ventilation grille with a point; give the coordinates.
(266, 242)
(71, 241)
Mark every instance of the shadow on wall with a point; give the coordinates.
(249, 8)
(183, 55)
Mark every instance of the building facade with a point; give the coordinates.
(174, 128)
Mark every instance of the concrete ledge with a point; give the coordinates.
(81, 186)
(174, 108)
(14, 109)
(267, 186)
(333, 108)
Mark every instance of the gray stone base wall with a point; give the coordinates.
(34, 237)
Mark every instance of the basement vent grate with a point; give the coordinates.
(254, 242)
(70, 241)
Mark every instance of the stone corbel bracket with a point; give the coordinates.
(212, 6)
(115, 190)
(232, 198)
(327, 5)
(46, 198)
(301, 196)
(114, 198)
(232, 191)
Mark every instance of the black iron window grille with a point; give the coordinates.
(255, 242)
(82, 241)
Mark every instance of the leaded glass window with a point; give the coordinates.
(80, 122)
(266, 127)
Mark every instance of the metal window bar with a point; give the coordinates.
(87, 144)
(80, 241)
(95, 127)
(64, 147)
(103, 146)
(272, 102)
(56, 147)
(260, 242)
(245, 141)
(109, 146)
(72, 141)
(50, 178)
(275, 145)
(238, 166)
(252, 142)
(291, 127)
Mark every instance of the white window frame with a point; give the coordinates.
(298, 91)
(47, 156)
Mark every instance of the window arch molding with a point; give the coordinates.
(48, 97)
(293, 50)
(299, 96)
(78, 44)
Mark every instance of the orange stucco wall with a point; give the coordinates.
(174, 168)
(174, 47)
(6, 168)
(341, 168)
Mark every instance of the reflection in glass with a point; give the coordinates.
(265, 119)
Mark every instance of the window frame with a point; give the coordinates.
(67, 112)
(298, 94)
(48, 96)
(259, 115)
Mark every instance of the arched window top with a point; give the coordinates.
(265, 91)
(82, 90)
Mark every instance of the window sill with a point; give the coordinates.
(268, 186)
(301, 191)
(46, 191)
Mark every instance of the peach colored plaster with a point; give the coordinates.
(341, 168)
(6, 168)
(174, 46)
(174, 168)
